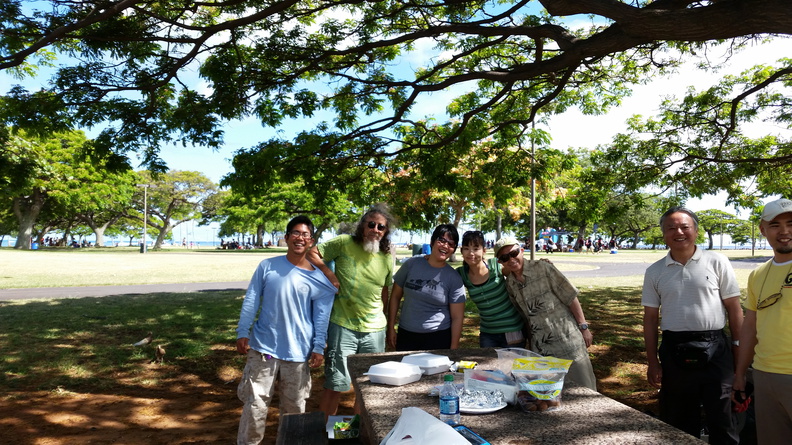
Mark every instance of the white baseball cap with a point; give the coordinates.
(775, 208)
(505, 241)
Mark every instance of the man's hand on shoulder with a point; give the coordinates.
(315, 258)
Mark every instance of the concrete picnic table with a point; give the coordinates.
(586, 417)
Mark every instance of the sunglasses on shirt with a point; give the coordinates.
(769, 301)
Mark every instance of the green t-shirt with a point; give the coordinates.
(497, 313)
(358, 304)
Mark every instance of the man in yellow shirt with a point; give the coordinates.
(767, 330)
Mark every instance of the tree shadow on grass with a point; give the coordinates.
(618, 354)
(72, 375)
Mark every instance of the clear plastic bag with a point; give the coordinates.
(540, 381)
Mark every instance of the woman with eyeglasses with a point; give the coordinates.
(500, 324)
(434, 298)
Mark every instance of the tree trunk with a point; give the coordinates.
(498, 226)
(26, 210)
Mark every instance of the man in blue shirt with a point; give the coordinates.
(293, 300)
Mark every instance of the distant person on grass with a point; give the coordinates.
(766, 334)
(293, 300)
(363, 274)
(688, 295)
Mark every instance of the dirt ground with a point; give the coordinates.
(177, 409)
(185, 409)
(172, 406)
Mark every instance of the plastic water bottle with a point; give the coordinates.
(449, 401)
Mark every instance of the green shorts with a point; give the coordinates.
(341, 343)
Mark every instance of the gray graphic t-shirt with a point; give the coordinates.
(427, 293)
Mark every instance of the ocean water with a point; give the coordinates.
(6, 242)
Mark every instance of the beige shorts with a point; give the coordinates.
(257, 387)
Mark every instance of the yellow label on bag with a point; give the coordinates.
(464, 364)
(541, 364)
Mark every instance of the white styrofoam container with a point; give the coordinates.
(394, 373)
(429, 363)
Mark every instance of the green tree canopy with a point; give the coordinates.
(701, 144)
(50, 183)
(372, 64)
(173, 198)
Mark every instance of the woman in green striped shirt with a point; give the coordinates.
(501, 324)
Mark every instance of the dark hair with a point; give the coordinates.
(376, 209)
(679, 209)
(442, 229)
(473, 237)
(297, 220)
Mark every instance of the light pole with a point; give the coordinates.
(533, 192)
(145, 214)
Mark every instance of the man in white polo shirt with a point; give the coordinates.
(694, 290)
(767, 330)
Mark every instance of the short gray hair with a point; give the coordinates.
(679, 209)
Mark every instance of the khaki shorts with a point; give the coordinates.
(257, 387)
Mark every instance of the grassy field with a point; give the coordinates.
(119, 266)
(74, 359)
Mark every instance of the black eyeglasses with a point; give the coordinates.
(507, 256)
(303, 235)
(380, 227)
(446, 242)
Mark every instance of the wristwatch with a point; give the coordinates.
(736, 342)
(583, 326)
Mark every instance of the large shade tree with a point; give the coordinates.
(131, 63)
(172, 199)
(50, 184)
(707, 141)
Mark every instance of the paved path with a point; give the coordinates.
(615, 269)
(102, 291)
(589, 269)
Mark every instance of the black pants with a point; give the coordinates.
(687, 387)
(414, 341)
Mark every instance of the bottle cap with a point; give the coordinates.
(448, 378)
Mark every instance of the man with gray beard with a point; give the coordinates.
(363, 274)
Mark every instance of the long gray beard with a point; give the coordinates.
(371, 246)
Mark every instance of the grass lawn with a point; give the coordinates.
(70, 372)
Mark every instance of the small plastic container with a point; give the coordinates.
(394, 373)
(429, 363)
(506, 357)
